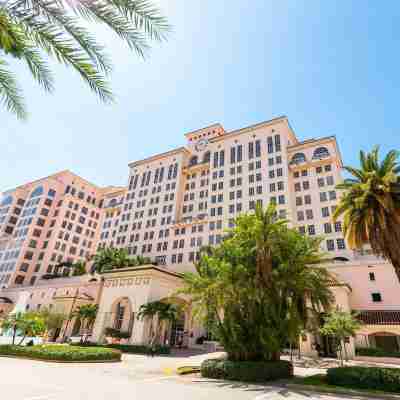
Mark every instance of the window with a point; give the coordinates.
(297, 187)
(311, 229)
(37, 192)
(338, 226)
(372, 276)
(341, 245)
(309, 214)
(328, 168)
(327, 228)
(325, 211)
(376, 297)
(298, 158)
(330, 245)
(321, 182)
(307, 199)
(332, 195)
(299, 201)
(323, 196)
(320, 152)
(300, 215)
(329, 180)
(306, 185)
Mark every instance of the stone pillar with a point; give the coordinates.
(306, 345)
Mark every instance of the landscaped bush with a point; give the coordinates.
(374, 352)
(387, 379)
(139, 349)
(130, 348)
(61, 352)
(116, 333)
(247, 371)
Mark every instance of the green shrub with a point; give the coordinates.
(139, 349)
(116, 333)
(247, 371)
(374, 352)
(129, 348)
(61, 352)
(387, 379)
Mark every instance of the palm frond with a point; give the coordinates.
(10, 93)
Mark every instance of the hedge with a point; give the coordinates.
(246, 371)
(139, 349)
(61, 353)
(386, 379)
(130, 348)
(374, 352)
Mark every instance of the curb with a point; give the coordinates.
(62, 361)
(349, 392)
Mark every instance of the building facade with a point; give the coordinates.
(47, 223)
(181, 200)
(175, 203)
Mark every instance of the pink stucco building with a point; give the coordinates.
(180, 200)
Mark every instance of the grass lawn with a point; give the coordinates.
(319, 381)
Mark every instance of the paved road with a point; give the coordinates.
(137, 377)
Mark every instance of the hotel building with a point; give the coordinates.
(175, 203)
(185, 198)
(47, 223)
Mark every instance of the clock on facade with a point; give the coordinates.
(201, 144)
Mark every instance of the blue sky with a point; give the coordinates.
(331, 67)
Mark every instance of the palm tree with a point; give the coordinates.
(110, 258)
(87, 315)
(370, 205)
(160, 314)
(31, 31)
(262, 285)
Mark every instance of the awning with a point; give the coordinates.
(379, 317)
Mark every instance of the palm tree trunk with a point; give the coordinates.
(21, 341)
(14, 334)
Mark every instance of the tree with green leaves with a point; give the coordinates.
(370, 205)
(79, 268)
(160, 314)
(24, 324)
(53, 320)
(340, 325)
(262, 284)
(110, 258)
(35, 31)
(86, 313)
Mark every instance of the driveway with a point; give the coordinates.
(137, 377)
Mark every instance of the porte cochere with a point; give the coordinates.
(124, 291)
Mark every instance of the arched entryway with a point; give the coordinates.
(122, 317)
(386, 341)
(176, 332)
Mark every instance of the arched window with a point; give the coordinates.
(37, 192)
(193, 160)
(206, 157)
(113, 202)
(320, 152)
(6, 201)
(298, 158)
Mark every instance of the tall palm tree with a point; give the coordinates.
(161, 315)
(86, 313)
(370, 205)
(32, 31)
(261, 286)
